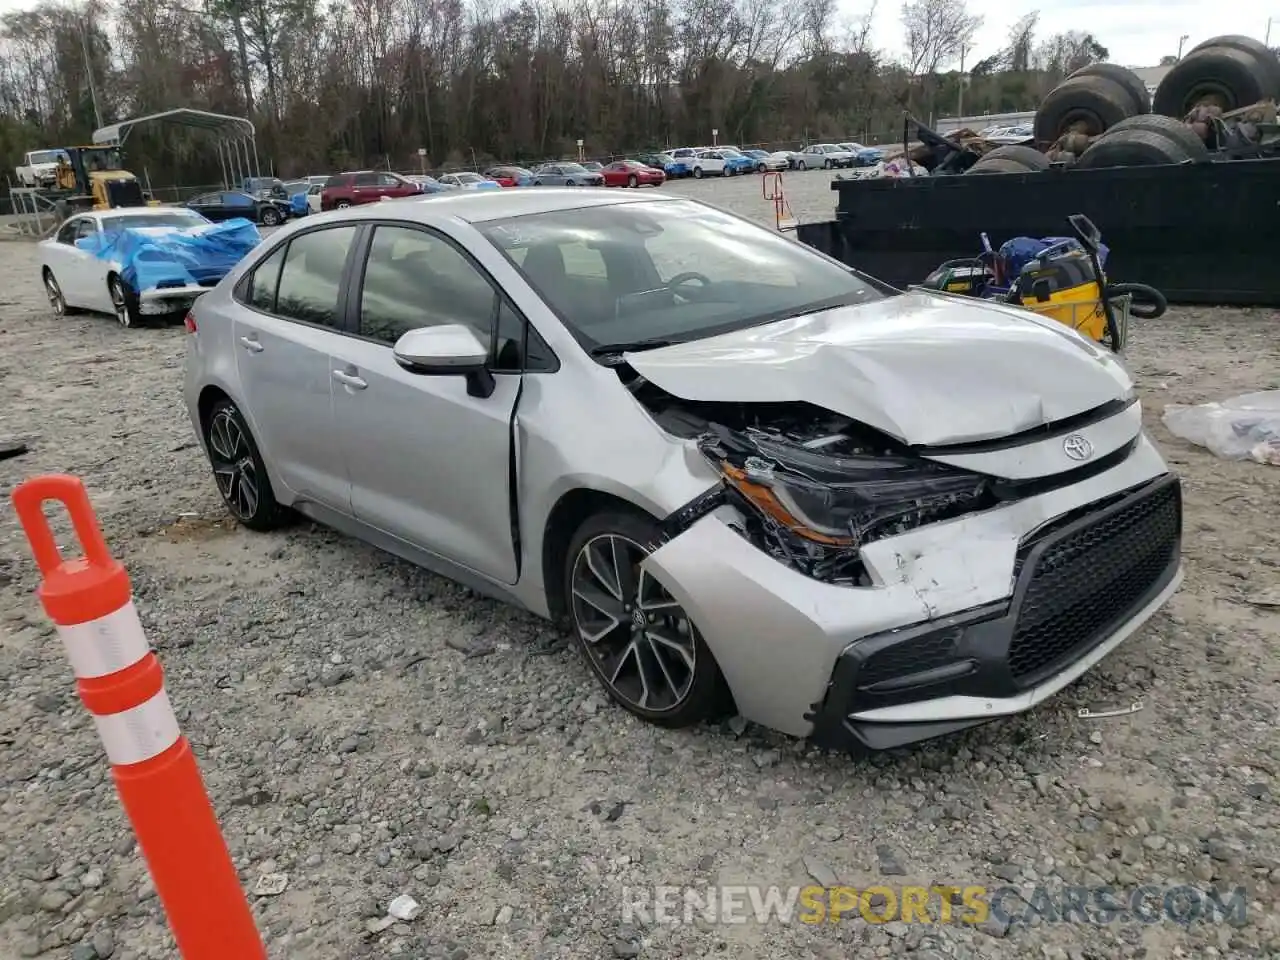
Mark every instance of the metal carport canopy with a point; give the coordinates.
(236, 145)
(227, 127)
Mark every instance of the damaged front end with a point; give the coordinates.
(813, 487)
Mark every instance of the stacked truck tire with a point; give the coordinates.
(1103, 116)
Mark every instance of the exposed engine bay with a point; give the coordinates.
(813, 486)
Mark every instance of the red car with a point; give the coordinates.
(632, 173)
(364, 186)
(509, 176)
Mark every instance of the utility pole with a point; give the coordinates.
(1267, 42)
(88, 70)
(1181, 40)
(960, 96)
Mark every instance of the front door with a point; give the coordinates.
(429, 463)
(282, 346)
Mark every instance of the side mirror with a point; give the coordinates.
(451, 349)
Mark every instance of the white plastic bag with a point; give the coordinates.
(1242, 428)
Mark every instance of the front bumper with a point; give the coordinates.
(946, 636)
(1081, 590)
(162, 300)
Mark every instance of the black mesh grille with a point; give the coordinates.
(923, 653)
(1091, 579)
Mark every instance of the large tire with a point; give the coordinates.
(1125, 77)
(1094, 103)
(1220, 76)
(617, 643)
(1267, 59)
(1133, 148)
(1028, 157)
(125, 302)
(1167, 127)
(998, 165)
(239, 470)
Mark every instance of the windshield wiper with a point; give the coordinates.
(608, 349)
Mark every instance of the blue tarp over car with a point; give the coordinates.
(152, 257)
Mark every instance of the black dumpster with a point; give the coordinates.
(1204, 233)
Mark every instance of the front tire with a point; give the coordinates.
(238, 470)
(342, 204)
(125, 302)
(635, 636)
(800, 165)
(633, 181)
(270, 217)
(697, 173)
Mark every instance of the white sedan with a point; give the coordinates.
(76, 279)
(468, 181)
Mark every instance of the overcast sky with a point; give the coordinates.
(1136, 32)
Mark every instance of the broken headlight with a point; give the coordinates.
(840, 500)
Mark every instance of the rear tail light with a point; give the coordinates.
(189, 321)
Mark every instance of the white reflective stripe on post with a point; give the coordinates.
(146, 731)
(107, 645)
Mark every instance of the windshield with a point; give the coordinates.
(469, 178)
(668, 270)
(172, 218)
(46, 156)
(572, 168)
(665, 158)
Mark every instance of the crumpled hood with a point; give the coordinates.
(925, 369)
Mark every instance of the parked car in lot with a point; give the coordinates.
(863, 156)
(83, 266)
(962, 516)
(668, 164)
(229, 204)
(632, 173)
(467, 181)
(426, 184)
(313, 197)
(566, 175)
(824, 156)
(765, 161)
(686, 153)
(265, 188)
(507, 176)
(364, 186)
(736, 161)
(593, 166)
(714, 163)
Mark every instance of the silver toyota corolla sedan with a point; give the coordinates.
(741, 473)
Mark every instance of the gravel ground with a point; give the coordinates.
(370, 730)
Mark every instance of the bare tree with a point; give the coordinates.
(937, 32)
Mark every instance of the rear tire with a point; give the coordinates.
(239, 471)
(637, 639)
(342, 204)
(800, 165)
(697, 173)
(1225, 76)
(1092, 103)
(1136, 89)
(1135, 148)
(57, 301)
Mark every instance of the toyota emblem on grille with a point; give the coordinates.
(1077, 447)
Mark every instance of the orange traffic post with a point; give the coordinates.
(120, 682)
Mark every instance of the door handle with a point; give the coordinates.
(350, 380)
(252, 345)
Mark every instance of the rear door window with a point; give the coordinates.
(311, 276)
(262, 286)
(366, 179)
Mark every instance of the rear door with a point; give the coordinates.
(292, 318)
(364, 188)
(429, 463)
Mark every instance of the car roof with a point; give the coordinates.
(486, 205)
(138, 211)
